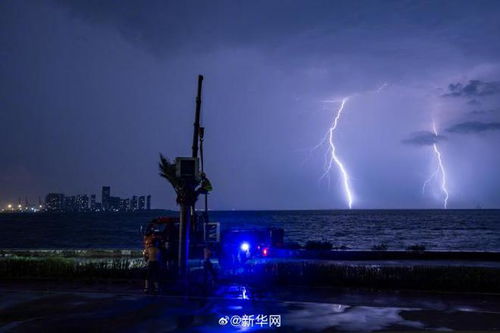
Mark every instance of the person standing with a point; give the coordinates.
(209, 272)
(152, 257)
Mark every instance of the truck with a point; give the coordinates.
(233, 247)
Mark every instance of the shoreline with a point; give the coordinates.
(125, 265)
(347, 254)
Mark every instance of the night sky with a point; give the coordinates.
(92, 91)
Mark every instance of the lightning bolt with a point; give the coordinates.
(439, 170)
(333, 158)
(433, 175)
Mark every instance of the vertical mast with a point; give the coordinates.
(196, 133)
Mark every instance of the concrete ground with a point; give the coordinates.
(44, 307)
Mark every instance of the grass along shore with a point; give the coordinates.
(326, 274)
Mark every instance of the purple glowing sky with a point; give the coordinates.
(92, 91)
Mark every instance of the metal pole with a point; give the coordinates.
(184, 226)
(202, 138)
(197, 118)
(196, 133)
(187, 207)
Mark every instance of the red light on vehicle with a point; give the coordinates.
(265, 251)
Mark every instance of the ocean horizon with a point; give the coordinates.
(439, 230)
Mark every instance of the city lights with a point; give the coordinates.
(59, 202)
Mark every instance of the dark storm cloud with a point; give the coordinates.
(484, 112)
(474, 102)
(472, 127)
(474, 88)
(163, 27)
(424, 138)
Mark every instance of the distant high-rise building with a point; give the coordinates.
(70, 204)
(93, 203)
(114, 203)
(148, 202)
(142, 200)
(78, 202)
(54, 202)
(133, 203)
(106, 194)
(82, 202)
(124, 204)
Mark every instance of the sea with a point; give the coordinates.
(439, 230)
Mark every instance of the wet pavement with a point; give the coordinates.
(234, 308)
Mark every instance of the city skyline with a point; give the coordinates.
(60, 202)
(108, 203)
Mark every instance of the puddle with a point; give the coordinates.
(320, 317)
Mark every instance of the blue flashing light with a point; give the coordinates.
(245, 246)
